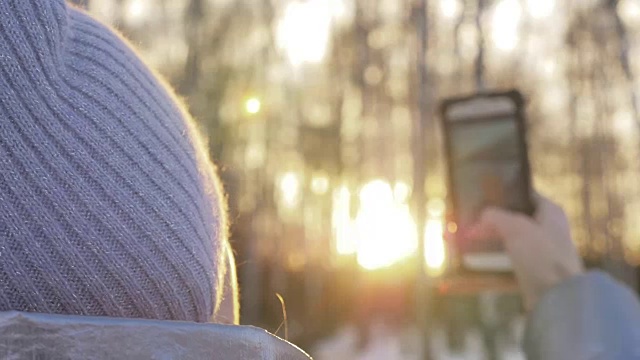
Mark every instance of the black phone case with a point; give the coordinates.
(518, 100)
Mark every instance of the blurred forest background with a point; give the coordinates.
(309, 105)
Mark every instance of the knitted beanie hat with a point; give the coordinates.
(108, 204)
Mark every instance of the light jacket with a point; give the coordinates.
(589, 317)
(48, 337)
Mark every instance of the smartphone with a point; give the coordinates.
(488, 165)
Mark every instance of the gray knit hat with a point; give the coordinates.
(108, 204)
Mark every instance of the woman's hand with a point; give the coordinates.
(541, 248)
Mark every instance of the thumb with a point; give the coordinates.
(506, 224)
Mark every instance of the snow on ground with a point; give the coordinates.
(403, 344)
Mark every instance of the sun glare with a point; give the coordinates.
(505, 24)
(304, 30)
(345, 239)
(384, 232)
(436, 207)
(385, 229)
(450, 9)
(320, 184)
(434, 247)
(253, 105)
(539, 9)
(401, 192)
(290, 189)
(629, 11)
(136, 10)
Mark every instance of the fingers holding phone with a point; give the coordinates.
(541, 249)
(491, 199)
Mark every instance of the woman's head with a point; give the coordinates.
(108, 204)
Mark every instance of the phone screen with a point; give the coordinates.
(487, 170)
(488, 166)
